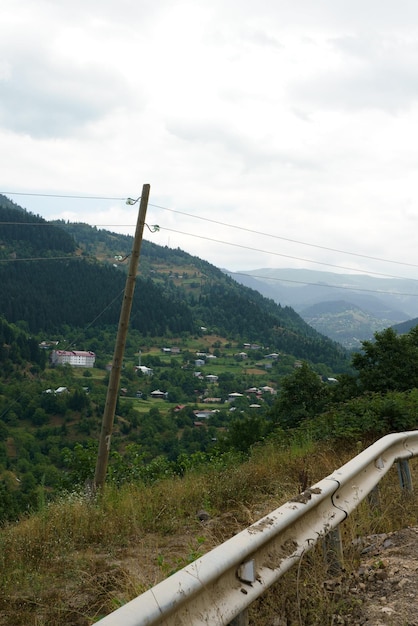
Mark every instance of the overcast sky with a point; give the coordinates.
(288, 128)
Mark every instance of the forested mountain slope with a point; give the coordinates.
(49, 294)
(175, 292)
(405, 327)
(24, 235)
(344, 322)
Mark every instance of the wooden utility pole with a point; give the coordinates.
(115, 374)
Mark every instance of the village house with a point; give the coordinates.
(204, 413)
(234, 396)
(45, 345)
(267, 389)
(147, 371)
(58, 390)
(75, 358)
(159, 394)
(253, 390)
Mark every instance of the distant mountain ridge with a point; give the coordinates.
(382, 302)
(346, 323)
(405, 327)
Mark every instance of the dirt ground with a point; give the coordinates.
(384, 588)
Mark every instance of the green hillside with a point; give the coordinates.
(175, 293)
(25, 235)
(343, 321)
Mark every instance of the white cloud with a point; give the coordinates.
(293, 119)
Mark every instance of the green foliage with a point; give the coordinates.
(367, 416)
(79, 463)
(16, 348)
(390, 363)
(245, 431)
(17, 229)
(303, 395)
(45, 293)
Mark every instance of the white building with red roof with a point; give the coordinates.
(75, 358)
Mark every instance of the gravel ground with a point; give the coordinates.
(384, 588)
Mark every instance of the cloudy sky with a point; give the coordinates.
(273, 133)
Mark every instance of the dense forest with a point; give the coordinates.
(23, 234)
(77, 292)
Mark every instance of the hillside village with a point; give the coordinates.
(86, 359)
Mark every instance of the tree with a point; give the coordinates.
(389, 363)
(303, 395)
(78, 400)
(40, 417)
(246, 431)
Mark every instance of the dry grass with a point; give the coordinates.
(79, 559)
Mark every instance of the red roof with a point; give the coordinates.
(74, 353)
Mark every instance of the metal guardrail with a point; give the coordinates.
(220, 585)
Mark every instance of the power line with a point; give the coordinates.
(57, 195)
(16, 400)
(46, 223)
(287, 256)
(327, 286)
(97, 317)
(302, 243)
(270, 278)
(224, 224)
(219, 223)
(44, 258)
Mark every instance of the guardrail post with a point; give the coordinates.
(240, 620)
(404, 474)
(374, 498)
(333, 551)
